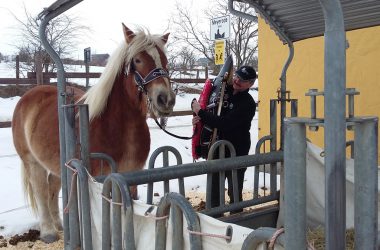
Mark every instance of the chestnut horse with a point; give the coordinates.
(134, 81)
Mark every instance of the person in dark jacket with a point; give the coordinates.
(233, 124)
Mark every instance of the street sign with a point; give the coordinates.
(219, 51)
(220, 28)
(87, 55)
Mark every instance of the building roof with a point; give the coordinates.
(301, 19)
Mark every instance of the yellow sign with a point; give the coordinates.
(219, 51)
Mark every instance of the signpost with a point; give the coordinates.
(219, 32)
(87, 59)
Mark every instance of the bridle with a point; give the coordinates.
(141, 82)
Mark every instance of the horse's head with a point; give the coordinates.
(147, 62)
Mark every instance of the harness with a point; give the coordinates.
(153, 75)
(141, 82)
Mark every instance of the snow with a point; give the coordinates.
(15, 217)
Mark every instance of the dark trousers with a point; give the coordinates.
(215, 187)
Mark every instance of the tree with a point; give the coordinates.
(63, 33)
(187, 58)
(189, 33)
(242, 43)
(1, 57)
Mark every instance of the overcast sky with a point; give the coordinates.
(103, 17)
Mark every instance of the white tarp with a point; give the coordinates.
(316, 188)
(145, 227)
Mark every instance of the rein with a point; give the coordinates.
(174, 135)
(141, 82)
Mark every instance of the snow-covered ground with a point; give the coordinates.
(14, 214)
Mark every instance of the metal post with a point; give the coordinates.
(335, 125)
(84, 136)
(17, 68)
(87, 59)
(283, 93)
(165, 157)
(294, 108)
(38, 67)
(85, 204)
(70, 154)
(177, 221)
(117, 237)
(351, 92)
(120, 192)
(313, 103)
(366, 182)
(170, 200)
(87, 77)
(273, 145)
(222, 178)
(45, 16)
(165, 151)
(295, 184)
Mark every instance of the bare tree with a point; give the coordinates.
(242, 43)
(187, 58)
(63, 34)
(188, 32)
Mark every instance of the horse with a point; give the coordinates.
(134, 82)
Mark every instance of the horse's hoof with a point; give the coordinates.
(49, 238)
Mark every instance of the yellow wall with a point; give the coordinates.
(306, 72)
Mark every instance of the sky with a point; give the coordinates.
(103, 17)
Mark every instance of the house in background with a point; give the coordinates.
(99, 59)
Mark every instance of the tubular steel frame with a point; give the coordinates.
(293, 132)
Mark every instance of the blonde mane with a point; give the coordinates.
(97, 96)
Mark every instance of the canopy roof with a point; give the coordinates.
(59, 6)
(301, 19)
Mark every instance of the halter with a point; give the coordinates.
(153, 75)
(141, 82)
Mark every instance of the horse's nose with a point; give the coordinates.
(165, 100)
(162, 99)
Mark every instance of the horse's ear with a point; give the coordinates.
(128, 34)
(165, 37)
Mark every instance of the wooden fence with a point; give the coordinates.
(46, 78)
(40, 77)
(32, 80)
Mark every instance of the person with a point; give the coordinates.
(233, 125)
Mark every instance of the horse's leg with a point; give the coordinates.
(38, 178)
(54, 187)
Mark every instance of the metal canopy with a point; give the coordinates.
(301, 19)
(54, 6)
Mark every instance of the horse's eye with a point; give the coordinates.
(137, 60)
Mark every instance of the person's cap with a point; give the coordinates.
(246, 73)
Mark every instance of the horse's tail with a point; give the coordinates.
(27, 187)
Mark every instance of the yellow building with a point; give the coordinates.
(307, 72)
